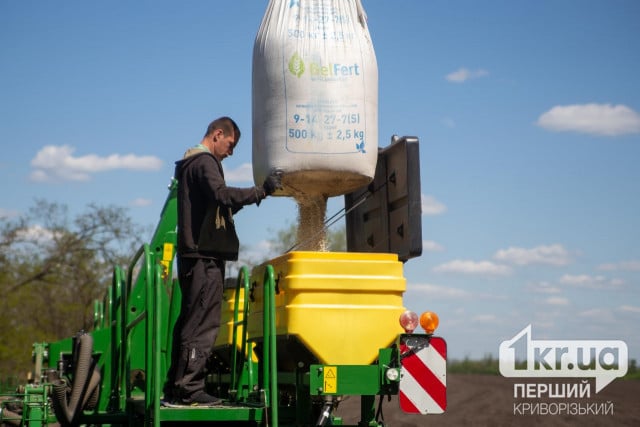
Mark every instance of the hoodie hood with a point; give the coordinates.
(190, 156)
(196, 150)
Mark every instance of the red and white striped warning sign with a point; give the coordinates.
(423, 374)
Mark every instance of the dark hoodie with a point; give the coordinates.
(206, 207)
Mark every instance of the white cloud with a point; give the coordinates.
(447, 292)
(544, 288)
(557, 301)
(633, 265)
(243, 173)
(140, 202)
(7, 213)
(551, 255)
(586, 281)
(36, 233)
(431, 246)
(630, 309)
(485, 318)
(596, 119)
(436, 291)
(431, 206)
(580, 280)
(57, 163)
(255, 253)
(473, 267)
(461, 75)
(602, 315)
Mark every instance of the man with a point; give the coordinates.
(206, 239)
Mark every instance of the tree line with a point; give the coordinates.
(52, 269)
(54, 266)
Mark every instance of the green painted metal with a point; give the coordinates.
(219, 414)
(357, 379)
(351, 380)
(98, 314)
(270, 363)
(235, 390)
(116, 401)
(132, 346)
(31, 398)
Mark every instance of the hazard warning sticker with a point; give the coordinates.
(423, 374)
(330, 379)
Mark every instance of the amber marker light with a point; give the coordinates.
(409, 321)
(429, 321)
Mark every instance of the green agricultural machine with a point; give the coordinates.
(299, 333)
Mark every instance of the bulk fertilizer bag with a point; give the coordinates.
(315, 97)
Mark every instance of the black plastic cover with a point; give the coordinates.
(386, 215)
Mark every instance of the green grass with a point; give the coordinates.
(487, 366)
(633, 372)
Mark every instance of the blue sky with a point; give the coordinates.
(528, 115)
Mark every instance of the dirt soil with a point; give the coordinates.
(485, 400)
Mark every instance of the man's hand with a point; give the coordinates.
(272, 183)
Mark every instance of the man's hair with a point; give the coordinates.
(227, 125)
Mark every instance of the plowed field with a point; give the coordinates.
(484, 400)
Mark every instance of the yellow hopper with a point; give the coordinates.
(331, 307)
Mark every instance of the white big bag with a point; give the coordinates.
(315, 97)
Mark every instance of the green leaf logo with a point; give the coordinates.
(296, 65)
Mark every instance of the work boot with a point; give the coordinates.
(202, 398)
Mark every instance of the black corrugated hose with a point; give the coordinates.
(82, 388)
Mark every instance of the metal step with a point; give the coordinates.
(215, 413)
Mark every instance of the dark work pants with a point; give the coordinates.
(197, 326)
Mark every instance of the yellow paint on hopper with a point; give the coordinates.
(342, 306)
(225, 333)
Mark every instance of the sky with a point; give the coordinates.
(528, 116)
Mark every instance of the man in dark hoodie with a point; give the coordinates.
(206, 239)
